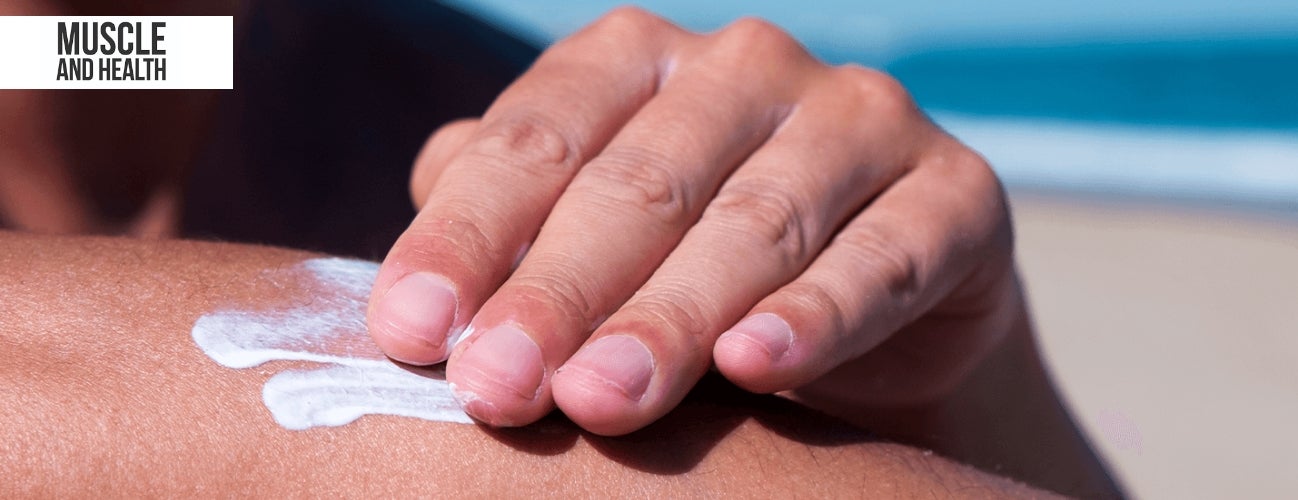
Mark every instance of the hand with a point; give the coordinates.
(646, 201)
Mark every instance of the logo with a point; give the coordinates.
(107, 52)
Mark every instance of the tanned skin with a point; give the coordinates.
(106, 393)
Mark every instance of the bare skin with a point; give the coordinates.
(675, 201)
(105, 391)
(886, 253)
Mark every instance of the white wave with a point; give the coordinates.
(1258, 166)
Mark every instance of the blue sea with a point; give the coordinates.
(1194, 100)
(1250, 84)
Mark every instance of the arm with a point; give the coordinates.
(106, 391)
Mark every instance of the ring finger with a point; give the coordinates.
(614, 225)
(769, 220)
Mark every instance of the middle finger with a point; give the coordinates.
(767, 222)
(615, 224)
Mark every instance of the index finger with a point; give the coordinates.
(491, 199)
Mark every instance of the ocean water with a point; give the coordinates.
(1193, 100)
(1206, 122)
(1233, 84)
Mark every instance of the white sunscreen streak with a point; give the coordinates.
(357, 378)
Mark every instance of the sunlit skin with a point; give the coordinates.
(105, 391)
(688, 200)
(644, 205)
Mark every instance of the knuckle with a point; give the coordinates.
(679, 307)
(814, 300)
(777, 221)
(975, 179)
(642, 179)
(978, 173)
(625, 31)
(996, 207)
(751, 32)
(528, 143)
(877, 256)
(559, 286)
(751, 43)
(883, 93)
(629, 19)
(441, 239)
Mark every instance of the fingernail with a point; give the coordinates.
(766, 331)
(476, 407)
(419, 308)
(619, 361)
(457, 336)
(502, 362)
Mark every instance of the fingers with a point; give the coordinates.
(440, 148)
(680, 186)
(917, 241)
(766, 223)
(621, 216)
(927, 359)
(526, 149)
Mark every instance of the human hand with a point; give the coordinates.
(690, 199)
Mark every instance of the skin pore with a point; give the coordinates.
(106, 391)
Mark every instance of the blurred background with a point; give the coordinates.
(1151, 152)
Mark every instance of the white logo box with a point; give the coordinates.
(199, 52)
